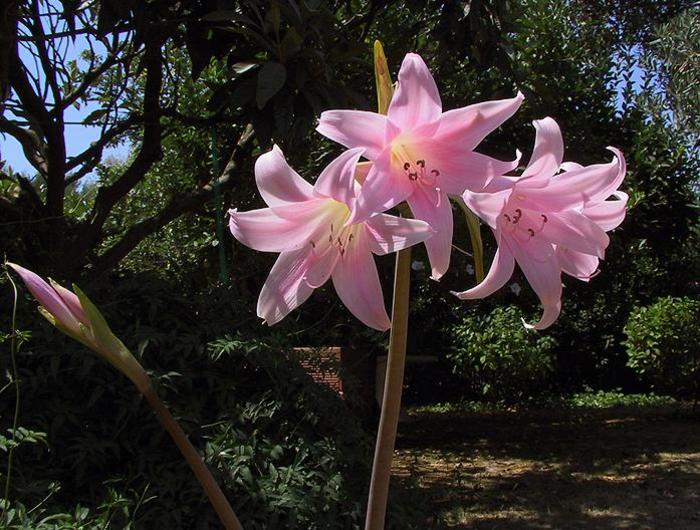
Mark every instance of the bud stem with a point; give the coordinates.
(216, 496)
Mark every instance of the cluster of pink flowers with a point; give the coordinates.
(551, 218)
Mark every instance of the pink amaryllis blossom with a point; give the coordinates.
(76, 316)
(421, 154)
(550, 221)
(309, 226)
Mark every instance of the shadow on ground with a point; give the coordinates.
(616, 469)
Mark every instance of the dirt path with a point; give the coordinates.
(605, 469)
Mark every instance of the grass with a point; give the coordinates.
(582, 400)
(603, 461)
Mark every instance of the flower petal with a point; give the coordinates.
(267, 231)
(434, 207)
(488, 206)
(607, 214)
(71, 300)
(416, 100)
(577, 264)
(382, 189)
(500, 272)
(277, 182)
(468, 126)
(540, 265)
(337, 180)
(355, 128)
(357, 283)
(572, 189)
(548, 152)
(388, 233)
(285, 288)
(574, 230)
(461, 171)
(48, 298)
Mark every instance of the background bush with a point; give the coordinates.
(288, 452)
(499, 357)
(663, 345)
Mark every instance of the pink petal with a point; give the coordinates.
(278, 183)
(361, 171)
(434, 207)
(416, 100)
(572, 189)
(488, 206)
(48, 298)
(337, 180)
(285, 288)
(357, 283)
(500, 272)
(382, 189)
(540, 265)
(548, 152)
(71, 300)
(468, 126)
(577, 264)
(467, 170)
(570, 166)
(355, 128)
(267, 231)
(574, 230)
(387, 233)
(321, 265)
(607, 214)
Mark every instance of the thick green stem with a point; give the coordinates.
(391, 400)
(216, 496)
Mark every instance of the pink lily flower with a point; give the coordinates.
(309, 226)
(549, 221)
(421, 154)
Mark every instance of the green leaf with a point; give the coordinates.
(271, 79)
(475, 235)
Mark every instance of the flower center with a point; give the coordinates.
(415, 167)
(336, 236)
(522, 223)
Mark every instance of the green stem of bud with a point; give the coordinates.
(201, 471)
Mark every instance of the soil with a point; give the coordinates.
(614, 468)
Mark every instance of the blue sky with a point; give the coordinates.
(78, 137)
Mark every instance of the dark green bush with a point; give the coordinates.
(499, 357)
(663, 345)
(287, 451)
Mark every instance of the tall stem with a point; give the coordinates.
(216, 497)
(391, 400)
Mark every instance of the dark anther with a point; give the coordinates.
(350, 237)
(532, 232)
(519, 212)
(413, 176)
(544, 217)
(313, 245)
(507, 217)
(421, 163)
(435, 172)
(406, 165)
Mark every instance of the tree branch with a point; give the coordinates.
(149, 153)
(240, 156)
(32, 146)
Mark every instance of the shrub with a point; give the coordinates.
(501, 359)
(663, 345)
(287, 452)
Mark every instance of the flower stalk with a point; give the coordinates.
(391, 400)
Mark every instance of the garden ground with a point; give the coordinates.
(621, 468)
